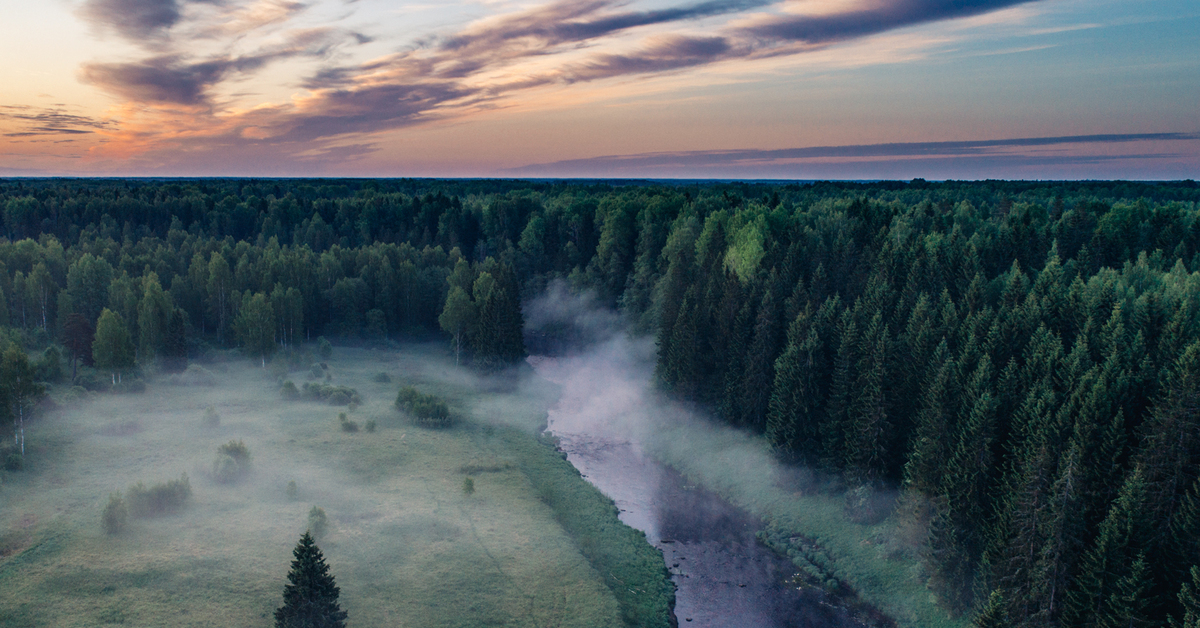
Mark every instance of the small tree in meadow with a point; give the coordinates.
(310, 599)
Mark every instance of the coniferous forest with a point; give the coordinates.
(1021, 360)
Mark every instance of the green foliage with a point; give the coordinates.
(318, 522)
(160, 499)
(370, 425)
(1080, 295)
(346, 424)
(382, 378)
(255, 326)
(232, 462)
(468, 486)
(289, 391)
(115, 516)
(427, 410)
(310, 599)
(333, 395)
(324, 348)
(113, 348)
(292, 492)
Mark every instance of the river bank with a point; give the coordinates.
(711, 497)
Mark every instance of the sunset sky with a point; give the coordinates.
(845, 89)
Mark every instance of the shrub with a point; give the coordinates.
(289, 391)
(194, 375)
(316, 372)
(75, 394)
(232, 462)
(93, 381)
(468, 486)
(334, 395)
(115, 515)
(292, 492)
(49, 367)
(428, 410)
(159, 499)
(346, 423)
(211, 418)
(324, 349)
(318, 523)
(382, 378)
(370, 425)
(14, 461)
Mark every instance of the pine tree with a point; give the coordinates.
(310, 599)
(1189, 599)
(1104, 574)
(993, 614)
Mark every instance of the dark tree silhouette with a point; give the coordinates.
(310, 597)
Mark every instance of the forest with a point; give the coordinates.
(1018, 361)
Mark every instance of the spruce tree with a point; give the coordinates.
(310, 597)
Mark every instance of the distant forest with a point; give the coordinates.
(1021, 359)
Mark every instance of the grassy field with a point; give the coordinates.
(407, 546)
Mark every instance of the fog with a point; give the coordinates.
(618, 430)
(406, 544)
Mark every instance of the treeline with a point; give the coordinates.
(1020, 358)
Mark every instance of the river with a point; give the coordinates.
(724, 576)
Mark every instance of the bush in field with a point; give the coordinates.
(211, 418)
(115, 515)
(370, 425)
(160, 499)
(292, 491)
(324, 349)
(194, 375)
(382, 378)
(316, 372)
(232, 463)
(289, 391)
(333, 395)
(428, 410)
(346, 423)
(318, 523)
(468, 486)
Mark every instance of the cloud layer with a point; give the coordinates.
(443, 75)
(819, 161)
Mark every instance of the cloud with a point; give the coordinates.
(793, 162)
(483, 65)
(167, 79)
(671, 53)
(135, 20)
(36, 121)
(887, 15)
(572, 21)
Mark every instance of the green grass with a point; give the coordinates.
(406, 545)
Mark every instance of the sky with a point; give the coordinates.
(726, 89)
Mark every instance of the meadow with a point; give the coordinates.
(408, 546)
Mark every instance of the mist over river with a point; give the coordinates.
(605, 420)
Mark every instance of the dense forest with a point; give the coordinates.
(1021, 359)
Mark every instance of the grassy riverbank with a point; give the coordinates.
(878, 560)
(407, 544)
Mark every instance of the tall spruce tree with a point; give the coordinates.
(310, 599)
